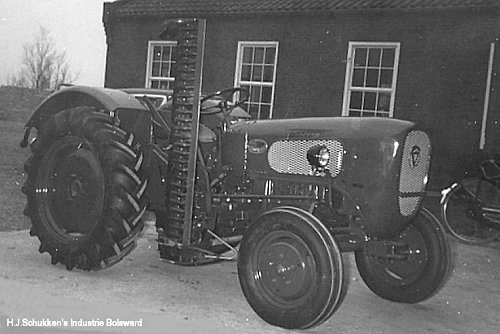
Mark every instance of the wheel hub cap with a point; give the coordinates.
(75, 189)
(285, 267)
(71, 184)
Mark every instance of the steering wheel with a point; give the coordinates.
(223, 106)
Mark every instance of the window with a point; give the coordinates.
(159, 66)
(370, 83)
(256, 71)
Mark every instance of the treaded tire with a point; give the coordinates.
(418, 277)
(85, 189)
(290, 269)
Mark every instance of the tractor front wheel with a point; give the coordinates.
(85, 189)
(290, 269)
(417, 275)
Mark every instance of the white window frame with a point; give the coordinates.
(348, 89)
(149, 63)
(239, 62)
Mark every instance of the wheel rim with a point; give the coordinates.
(70, 188)
(467, 220)
(463, 214)
(284, 269)
(409, 269)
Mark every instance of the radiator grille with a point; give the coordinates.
(290, 156)
(414, 171)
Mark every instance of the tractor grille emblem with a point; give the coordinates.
(415, 156)
(414, 171)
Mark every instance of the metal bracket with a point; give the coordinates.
(386, 249)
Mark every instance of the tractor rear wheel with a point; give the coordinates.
(85, 189)
(290, 269)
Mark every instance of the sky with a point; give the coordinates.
(75, 25)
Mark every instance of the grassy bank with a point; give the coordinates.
(16, 106)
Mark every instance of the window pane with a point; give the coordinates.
(268, 73)
(156, 69)
(356, 99)
(250, 89)
(259, 56)
(358, 77)
(246, 71)
(255, 94)
(354, 113)
(372, 78)
(157, 53)
(384, 100)
(265, 111)
(247, 55)
(270, 55)
(257, 73)
(360, 57)
(374, 57)
(155, 83)
(267, 93)
(245, 106)
(164, 84)
(386, 78)
(166, 53)
(253, 110)
(369, 102)
(165, 70)
(388, 57)
(247, 87)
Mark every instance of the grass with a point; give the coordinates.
(16, 106)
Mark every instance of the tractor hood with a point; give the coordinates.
(381, 164)
(323, 128)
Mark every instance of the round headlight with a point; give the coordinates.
(318, 156)
(324, 157)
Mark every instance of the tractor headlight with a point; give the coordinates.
(318, 157)
(324, 157)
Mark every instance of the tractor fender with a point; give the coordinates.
(105, 99)
(134, 118)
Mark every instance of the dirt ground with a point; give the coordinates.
(207, 299)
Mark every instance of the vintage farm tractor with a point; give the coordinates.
(292, 194)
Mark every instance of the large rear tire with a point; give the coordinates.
(85, 189)
(290, 269)
(421, 273)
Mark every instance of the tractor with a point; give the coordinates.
(284, 197)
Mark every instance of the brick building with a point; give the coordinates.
(427, 61)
